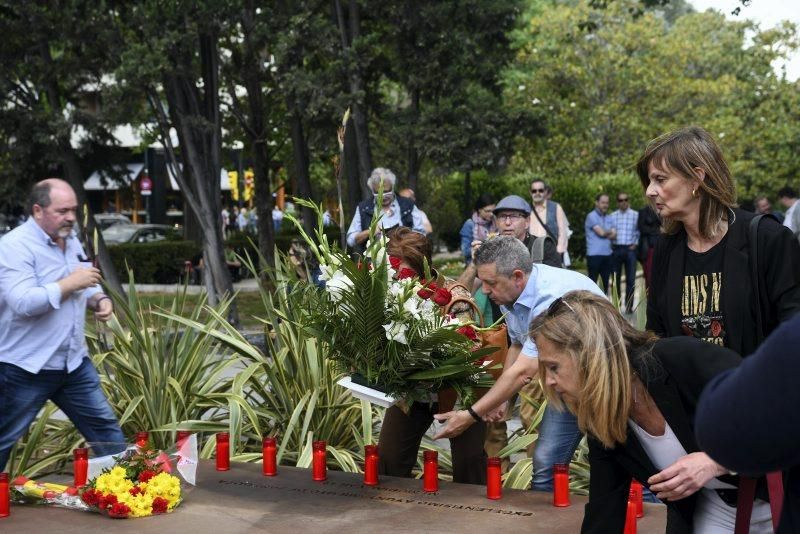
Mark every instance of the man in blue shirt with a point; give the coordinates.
(625, 222)
(523, 290)
(46, 284)
(599, 233)
(396, 210)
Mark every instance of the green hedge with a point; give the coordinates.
(160, 262)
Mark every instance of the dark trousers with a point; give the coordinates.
(600, 266)
(625, 257)
(401, 435)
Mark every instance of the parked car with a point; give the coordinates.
(138, 233)
(106, 220)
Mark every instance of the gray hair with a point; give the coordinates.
(381, 175)
(507, 253)
(40, 195)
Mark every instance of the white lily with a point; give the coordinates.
(396, 332)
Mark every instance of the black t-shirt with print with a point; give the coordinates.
(701, 299)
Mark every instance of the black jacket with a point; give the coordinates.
(749, 419)
(779, 266)
(686, 365)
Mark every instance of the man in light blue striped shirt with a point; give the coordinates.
(46, 283)
(625, 221)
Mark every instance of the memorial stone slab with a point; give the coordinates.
(243, 500)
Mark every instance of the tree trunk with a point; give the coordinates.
(356, 188)
(356, 85)
(301, 163)
(467, 212)
(412, 172)
(197, 122)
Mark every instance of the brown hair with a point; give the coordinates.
(682, 151)
(411, 246)
(603, 345)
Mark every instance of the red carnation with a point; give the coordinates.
(405, 272)
(119, 510)
(468, 332)
(442, 297)
(394, 261)
(136, 490)
(146, 475)
(106, 501)
(427, 292)
(160, 505)
(91, 497)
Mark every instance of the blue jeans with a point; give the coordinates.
(624, 256)
(78, 394)
(601, 266)
(559, 436)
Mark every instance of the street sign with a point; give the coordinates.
(146, 185)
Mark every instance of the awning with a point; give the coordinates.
(224, 183)
(129, 173)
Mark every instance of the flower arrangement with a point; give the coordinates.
(139, 485)
(387, 325)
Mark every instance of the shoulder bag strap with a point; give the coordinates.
(448, 307)
(546, 229)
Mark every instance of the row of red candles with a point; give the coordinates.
(430, 479)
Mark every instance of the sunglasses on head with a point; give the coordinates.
(557, 305)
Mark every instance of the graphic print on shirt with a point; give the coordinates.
(701, 309)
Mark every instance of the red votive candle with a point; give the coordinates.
(636, 487)
(561, 485)
(370, 465)
(269, 453)
(141, 439)
(630, 516)
(80, 466)
(181, 436)
(319, 468)
(430, 474)
(5, 495)
(223, 451)
(494, 484)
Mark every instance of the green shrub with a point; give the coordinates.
(160, 262)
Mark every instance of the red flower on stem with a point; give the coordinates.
(468, 332)
(119, 510)
(405, 272)
(427, 292)
(146, 475)
(107, 501)
(136, 490)
(91, 497)
(394, 261)
(442, 297)
(160, 505)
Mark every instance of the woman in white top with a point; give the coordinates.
(635, 396)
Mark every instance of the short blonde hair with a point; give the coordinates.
(601, 343)
(682, 151)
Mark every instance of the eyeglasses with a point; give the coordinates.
(537, 190)
(622, 199)
(509, 216)
(385, 195)
(556, 305)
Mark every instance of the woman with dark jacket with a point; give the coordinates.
(635, 396)
(701, 281)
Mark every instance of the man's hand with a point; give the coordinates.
(498, 414)
(104, 308)
(685, 477)
(80, 278)
(457, 422)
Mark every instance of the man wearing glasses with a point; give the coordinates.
(523, 290)
(548, 217)
(396, 210)
(625, 220)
